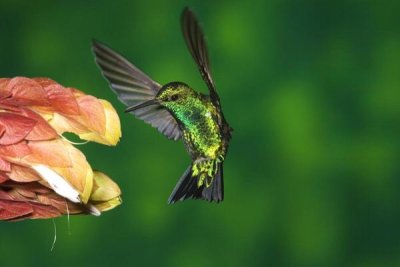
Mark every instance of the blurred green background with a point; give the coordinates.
(312, 89)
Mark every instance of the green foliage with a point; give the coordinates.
(312, 91)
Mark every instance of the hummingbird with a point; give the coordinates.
(178, 112)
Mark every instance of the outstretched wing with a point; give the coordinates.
(195, 41)
(133, 87)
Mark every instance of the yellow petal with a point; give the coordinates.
(64, 159)
(104, 188)
(98, 122)
(108, 205)
(63, 124)
(57, 183)
(80, 174)
(112, 132)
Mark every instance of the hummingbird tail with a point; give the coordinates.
(192, 184)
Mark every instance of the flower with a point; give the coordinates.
(42, 175)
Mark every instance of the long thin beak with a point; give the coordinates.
(144, 104)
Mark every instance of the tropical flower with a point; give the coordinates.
(42, 175)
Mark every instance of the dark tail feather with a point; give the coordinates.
(187, 187)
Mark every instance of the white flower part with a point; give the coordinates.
(93, 210)
(208, 114)
(58, 183)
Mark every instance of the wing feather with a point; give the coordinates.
(196, 44)
(134, 87)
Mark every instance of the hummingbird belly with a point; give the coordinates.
(202, 136)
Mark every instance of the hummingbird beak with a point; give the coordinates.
(142, 105)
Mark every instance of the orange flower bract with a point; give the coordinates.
(42, 175)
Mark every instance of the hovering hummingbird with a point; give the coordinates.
(177, 111)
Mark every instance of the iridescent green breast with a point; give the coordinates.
(201, 132)
(197, 117)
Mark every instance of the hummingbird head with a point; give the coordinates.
(172, 96)
(175, 94)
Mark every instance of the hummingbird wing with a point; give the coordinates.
(196, 44)
(133, 87)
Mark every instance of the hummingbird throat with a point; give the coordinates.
(205, 170)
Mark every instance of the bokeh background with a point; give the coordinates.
(312, 89)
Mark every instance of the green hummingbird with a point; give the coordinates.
(177, 111)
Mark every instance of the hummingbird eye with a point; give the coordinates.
(173, 98)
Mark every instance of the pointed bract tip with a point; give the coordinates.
(93, 210)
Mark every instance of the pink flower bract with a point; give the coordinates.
(42, 175)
